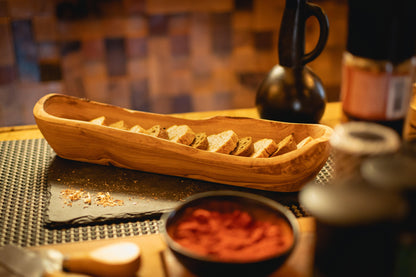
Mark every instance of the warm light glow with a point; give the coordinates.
(116, 253)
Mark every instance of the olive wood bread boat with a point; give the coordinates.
(65, 123)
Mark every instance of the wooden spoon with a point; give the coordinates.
(121, 259)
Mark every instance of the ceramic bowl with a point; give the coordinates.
(258, 207)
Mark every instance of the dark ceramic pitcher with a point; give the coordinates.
(291, 91)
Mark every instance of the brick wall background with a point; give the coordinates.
(164, 56)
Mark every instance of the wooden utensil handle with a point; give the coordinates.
(121, 259)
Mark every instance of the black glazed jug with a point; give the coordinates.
(291, 92)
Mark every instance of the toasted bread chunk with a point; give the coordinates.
(244, 147)
(224, 142)
(137, 129)
(285, 145)
(200, 141)
(264, 148)
(304, 141)
(158, 131)
(119, 125)
(181, 134)
(99, 120)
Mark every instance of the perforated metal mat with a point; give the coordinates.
(24, 197)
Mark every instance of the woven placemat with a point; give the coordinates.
(24, 198)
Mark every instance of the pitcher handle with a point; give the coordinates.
(315, 10)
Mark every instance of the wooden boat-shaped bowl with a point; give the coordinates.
(64, 122)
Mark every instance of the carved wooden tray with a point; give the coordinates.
(64, 122)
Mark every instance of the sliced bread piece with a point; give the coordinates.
(181, 134)
(200, 141)
(264, 148)
(224, 142)
(119, 125)
(99, 120)
(158, 131)
(304, 141)
(137, 129)
(244, 147)
(285, 145)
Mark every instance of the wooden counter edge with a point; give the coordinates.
(331, 118)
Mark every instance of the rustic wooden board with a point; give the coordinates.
(157, 261)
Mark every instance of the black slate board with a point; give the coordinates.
(145, 195)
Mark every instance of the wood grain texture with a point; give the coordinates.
(158, 261)
(64, 122)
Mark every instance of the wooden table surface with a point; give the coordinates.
(156, 260)
(331, 117)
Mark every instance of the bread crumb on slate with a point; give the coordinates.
(104, 199)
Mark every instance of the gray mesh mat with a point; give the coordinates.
(24, 199)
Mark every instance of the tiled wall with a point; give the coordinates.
(161, 56)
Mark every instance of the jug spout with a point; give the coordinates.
(291, 46)
(292, 34)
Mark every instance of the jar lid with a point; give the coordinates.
(382, 30)
(392, 172)
(352, 204)
(364, 138)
